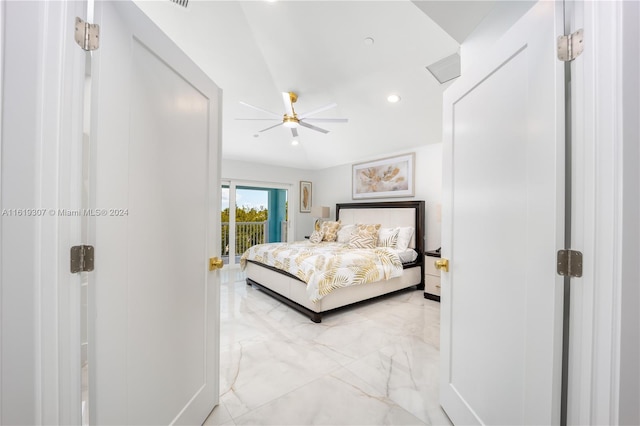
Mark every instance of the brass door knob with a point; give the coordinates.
(442, 264)
(215, 263)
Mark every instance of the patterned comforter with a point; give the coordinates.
(327, 266)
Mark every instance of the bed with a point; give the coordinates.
(294, 292)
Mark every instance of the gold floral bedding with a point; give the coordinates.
(326, 266)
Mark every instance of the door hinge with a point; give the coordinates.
(569, 263)
(87, 35)
(82, 259)
(570, 46)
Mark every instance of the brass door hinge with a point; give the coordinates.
(569, 263)
(82, 258)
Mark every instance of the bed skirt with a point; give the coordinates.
(293, 290)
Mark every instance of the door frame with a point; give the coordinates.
(48, 294)
(604, 202)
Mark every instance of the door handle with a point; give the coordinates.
(215, 263)
(442, 264)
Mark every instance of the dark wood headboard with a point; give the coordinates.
(418, 206)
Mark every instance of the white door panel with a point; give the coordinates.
(155, 165)
(503, 186)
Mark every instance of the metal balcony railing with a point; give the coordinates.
(247, 234)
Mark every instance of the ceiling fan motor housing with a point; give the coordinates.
(290, 122)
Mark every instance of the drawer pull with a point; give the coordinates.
(438, 286)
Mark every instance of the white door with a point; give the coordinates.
(155, 185)
(503, 213)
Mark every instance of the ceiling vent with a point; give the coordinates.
(446, 69)
(183, 3)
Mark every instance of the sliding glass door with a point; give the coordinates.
(252, 213)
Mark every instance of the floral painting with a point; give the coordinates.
(388, 177)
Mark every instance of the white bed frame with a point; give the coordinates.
(292, 291)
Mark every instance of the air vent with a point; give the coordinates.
(446, 69)
(182, 3)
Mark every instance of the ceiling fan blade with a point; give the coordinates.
(260, 109)
(271, 127)
(259, 119)
(312, 127)
(315, 111)
(288, 107)
(294, 132)
(328, 120)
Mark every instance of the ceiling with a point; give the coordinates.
(254, 50)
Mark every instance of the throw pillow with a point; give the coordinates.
(330, 230)
(316, 237)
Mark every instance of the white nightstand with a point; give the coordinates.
(431, 276)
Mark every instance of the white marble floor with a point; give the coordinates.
(373, 364)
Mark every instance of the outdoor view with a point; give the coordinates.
(250, 224)
(260, 217)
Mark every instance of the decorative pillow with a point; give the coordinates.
(330, 230)
(363, 239)
(388, 237)
(345, 232)
(369, 228)
(316, 237)
(404, 237)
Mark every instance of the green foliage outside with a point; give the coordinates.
(246, 236)
(246, 214)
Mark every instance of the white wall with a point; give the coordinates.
(333, 185)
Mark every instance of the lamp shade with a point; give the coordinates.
(319, 211)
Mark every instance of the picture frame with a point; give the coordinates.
(305, 197)
(384, 178)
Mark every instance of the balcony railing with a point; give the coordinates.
(248, 234)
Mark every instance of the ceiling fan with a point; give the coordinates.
(291, 119)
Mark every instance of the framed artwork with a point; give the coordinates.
(387, 177)
(305, 197)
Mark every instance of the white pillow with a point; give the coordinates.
(404, 237)
(388, 237)
(345, 232)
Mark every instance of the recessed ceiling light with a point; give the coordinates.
(294, 142)
(393, 98)
(369, 41)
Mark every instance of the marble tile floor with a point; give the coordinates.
(373, 364)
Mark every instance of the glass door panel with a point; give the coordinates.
(260, 216)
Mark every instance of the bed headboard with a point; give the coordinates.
(388, 214)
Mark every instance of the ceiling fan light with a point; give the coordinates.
(294, 142)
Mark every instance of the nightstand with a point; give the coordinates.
(431, 276)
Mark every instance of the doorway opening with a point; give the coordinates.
(252, 214)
